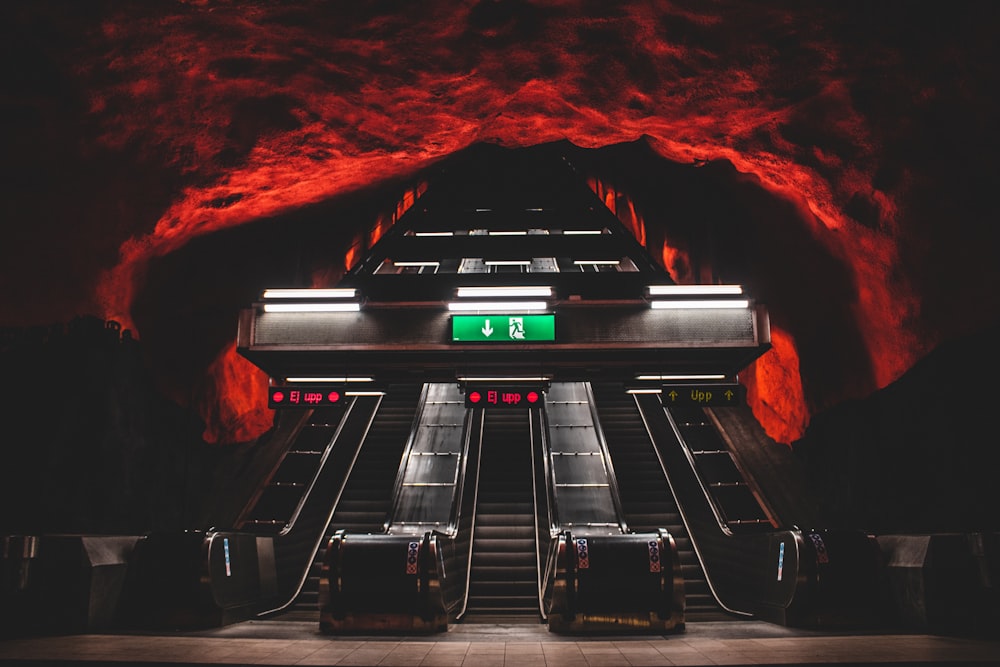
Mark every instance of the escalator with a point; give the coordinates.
(325, 468)
(646, 497)
(367, 496)
(206, 578)
(275, 506)
(734, 560)
(503, 581)
(603, 575)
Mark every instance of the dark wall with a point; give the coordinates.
(87, 444)
(918, 455)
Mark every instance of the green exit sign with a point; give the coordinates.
(502, 328)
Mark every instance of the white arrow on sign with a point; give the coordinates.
(487, 329)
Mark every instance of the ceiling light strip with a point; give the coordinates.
(513, 290)
(497, 306)
(309, 293)
(695, 290)
(702, 304)
(327, 307)
(329, 379)
(505, 378)
(661, 378)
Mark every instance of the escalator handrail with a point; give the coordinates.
(474, 506)
(290, 524)
(553, 519)
(536, 436)
(333, 508)
(455, 515)
(680, 507)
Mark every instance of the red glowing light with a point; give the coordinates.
(475, 397)
(278, 397)
(232, 129)
(333, 396)
(532, 397)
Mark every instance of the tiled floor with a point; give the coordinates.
(300, 643)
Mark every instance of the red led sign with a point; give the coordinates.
(499, 396)
(301, 396)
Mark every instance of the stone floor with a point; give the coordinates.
(469, 645)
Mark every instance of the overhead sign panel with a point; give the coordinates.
(708, 395)
(494, 328)
(304, 396)
(502, 396)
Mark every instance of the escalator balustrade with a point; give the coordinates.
(609, 583)
(382, 583)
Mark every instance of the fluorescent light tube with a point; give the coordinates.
(506, 378)
(696, 304)
(328, 307)
(338, 293)
(676, 290)
(329, 379)
(498, 306)
(514, 290)
(660, 378)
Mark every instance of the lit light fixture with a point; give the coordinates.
(644, 391)
(505, 262)
(329, 379)
(433, 233)
(312, 307)
(505, 378)
(687, 290)
(337, 293)
(513, 290)
(675, 378)
(364, 393)
(701, 304)
(582, 232)
(497, 306)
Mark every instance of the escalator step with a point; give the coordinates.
(489, 603)
(491, 572)
(505, 531)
